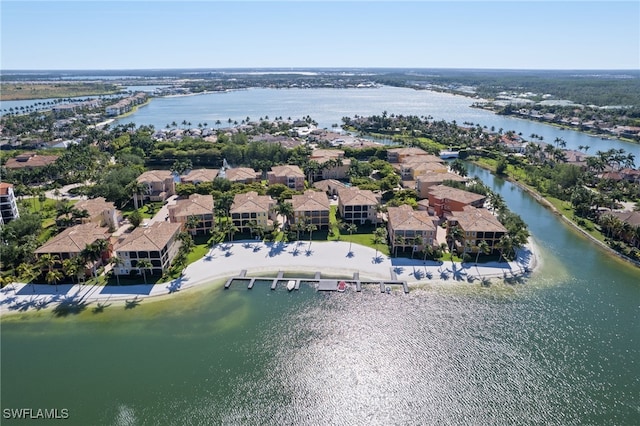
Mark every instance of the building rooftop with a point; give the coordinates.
(478, 220)
(404, 218)
(30, 160)
(446, 192)
(357, 197)
(94, 206)
(155, 176)
(287, 171)
(240, 174)
(310, 201)
(195, 205)
(150, 238)
(200, 175)
(74, 239)
(251, 202)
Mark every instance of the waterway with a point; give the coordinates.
(328, 106)
(561, 348)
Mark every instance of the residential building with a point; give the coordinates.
(30, 160)
(289, 175)
(198, 206)
(158, 243)
(241, 175)
(8, 205)
(311, 207)
(426, 181)
(445, 199)
(476, 225)
(251, 207)
(329, 186)
(332, 163)
(199, 176)
(399, 155)
(100, 211)
(413, 167)
(160, 184)
(70, 242)
(409, 224)
(358, 205)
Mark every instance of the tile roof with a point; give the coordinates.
(287, 171)
(240, 173)
(455, 194)
(408, 151)
(74, 239)
(195, 205)
(352, 196)
(632, 218)
(404, 218)
(438, 177)
(94, 206)
(310, 201)
(30, 159)
(155, 176)
(251, 202)
(151, 238)
(200, 175)
(479, 220)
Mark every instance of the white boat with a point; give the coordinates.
(291, 284)
(387, 289)
(342, 286)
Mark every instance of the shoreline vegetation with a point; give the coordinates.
(542, 200)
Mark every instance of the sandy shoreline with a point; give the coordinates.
(335, 258)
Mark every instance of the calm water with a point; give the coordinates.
(328, 106)
(560, 349)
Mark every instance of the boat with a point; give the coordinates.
(291, 284)
(387, 289)
(342, 286)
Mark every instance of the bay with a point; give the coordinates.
(560, 348)
(328, 106)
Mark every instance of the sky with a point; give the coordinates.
(161, 34)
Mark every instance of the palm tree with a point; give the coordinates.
(142, 265)
(379, 237)
(136, 189)
(483, 247)
(53, 276)
(192, 223)
(49, 261)
(506, 246)
(351, 228)
(70, 268)
(454, 234)
(285, 209)
(310, 227)
(417, 242)
(115, 262)
(399, 240)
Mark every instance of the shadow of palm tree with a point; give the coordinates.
(8, 300)
(257, 248)
(418, 274)
(295, 252)
(398, 269)
(444, 275)
(308, 252)
(70, 306)
(130, 304)
(350, 254)
(276, 249)
(470, 278)
(377, 259)
(429, 275)
(228, 253)
(485, 282)
(99, 308)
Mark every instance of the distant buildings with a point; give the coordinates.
(30, 160)
(289, 175)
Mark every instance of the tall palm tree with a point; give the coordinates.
(115, 262)
(418, 241)
(379, 237)
(483, 247)
(136, 189)
(285, 209)
(192, 223)
(54, 276)
(454, 234)
(310, 227)
(49, 261)
(351, 228)
(70, 268)
(143, 265)
(399, 240)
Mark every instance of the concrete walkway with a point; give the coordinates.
(335, 258)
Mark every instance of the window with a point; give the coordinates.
(133, 254)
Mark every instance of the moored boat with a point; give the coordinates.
(342, 286)
(291, 284)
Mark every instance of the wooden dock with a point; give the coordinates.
(322, 284)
